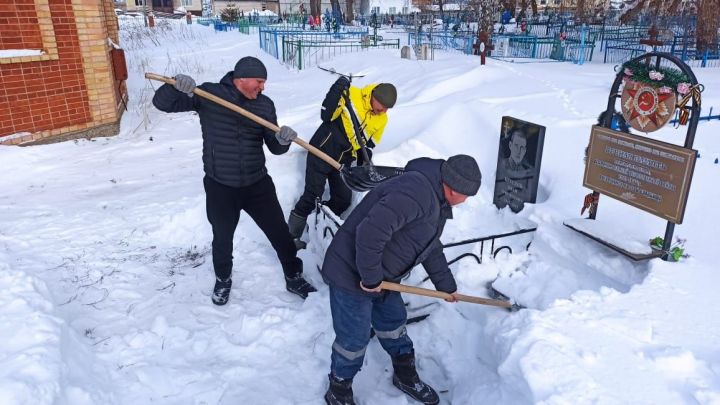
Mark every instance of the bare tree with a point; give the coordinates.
(364, 6)
(656, 6)
(673, 8)
(523, 7)
(511, 5)
(315, 7)
(633, 12)
(349, 16)
(708, 23)
(580, 10)
(486, 11)
(335, 5)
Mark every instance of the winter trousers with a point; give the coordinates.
(352, 316)
(259, 200)
(316, 173)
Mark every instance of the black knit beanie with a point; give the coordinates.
(462, 174)
(250, 67)
(385, 94)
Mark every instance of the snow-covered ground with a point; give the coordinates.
(105, 268)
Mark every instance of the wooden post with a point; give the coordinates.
(483, 46)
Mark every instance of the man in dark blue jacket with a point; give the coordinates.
(235, 175)
(394, 228)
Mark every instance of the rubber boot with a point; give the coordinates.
(297, 224)
(339, 392)
(407, 380)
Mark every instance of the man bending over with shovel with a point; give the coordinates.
(336, 136)
(395, 227)
(235, 175)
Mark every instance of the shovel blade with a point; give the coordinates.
(364, 178)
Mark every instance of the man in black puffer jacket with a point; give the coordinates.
(394, 228)
(235, 175)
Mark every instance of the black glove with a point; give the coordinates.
(343, 83)
(361, 156)
(332, 99)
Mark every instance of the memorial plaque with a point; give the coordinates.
(648, 174)
(518, 165)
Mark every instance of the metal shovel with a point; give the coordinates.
(359, 178)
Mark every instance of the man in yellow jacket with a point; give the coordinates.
(336, 137)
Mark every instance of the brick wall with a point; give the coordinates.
(70, 89)
(19, 25)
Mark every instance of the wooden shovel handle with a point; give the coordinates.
(386, 285)
(267, 124)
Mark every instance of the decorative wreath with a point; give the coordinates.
(665, 79)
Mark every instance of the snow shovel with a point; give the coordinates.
(386, 285)
(356, 178)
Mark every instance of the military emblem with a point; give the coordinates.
(647, 108)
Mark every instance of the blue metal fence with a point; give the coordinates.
(301, 54)
(271, 39)
(443, 40)
(533, 47)
(685, 48)
(622, 51)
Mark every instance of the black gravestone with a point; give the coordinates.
(518, 165)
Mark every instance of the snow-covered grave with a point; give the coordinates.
(106, 274)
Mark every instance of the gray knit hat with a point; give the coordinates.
(250, 67)
(462, 174)
(385, 94)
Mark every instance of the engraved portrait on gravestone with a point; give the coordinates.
(518, 164)
(516, 161)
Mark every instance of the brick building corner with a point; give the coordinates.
(57, 80)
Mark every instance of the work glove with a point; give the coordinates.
(361, 156)
(185, 84)
(332, 99)
(342, 83)
(286, 135)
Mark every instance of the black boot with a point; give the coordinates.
(407, 380)
(339, 392)
(298, 285)
(221, 292)
(297, 224)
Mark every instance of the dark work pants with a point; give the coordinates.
(260, 201)
(352, 316)
(316, 173)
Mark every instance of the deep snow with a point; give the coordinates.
(105, 268)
